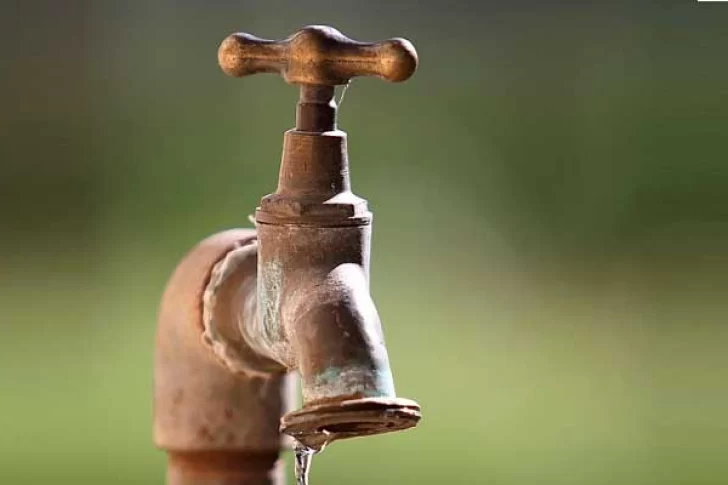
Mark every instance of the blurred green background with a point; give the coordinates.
(549, 255)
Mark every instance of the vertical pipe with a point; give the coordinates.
(225, 468)
(218, 427)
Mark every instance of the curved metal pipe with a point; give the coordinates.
(211, 421)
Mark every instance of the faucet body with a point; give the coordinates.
(245, 309)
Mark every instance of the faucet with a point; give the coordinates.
(246, 308)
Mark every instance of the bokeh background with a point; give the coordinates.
(549, 254)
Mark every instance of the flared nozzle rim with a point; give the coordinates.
(319, 424)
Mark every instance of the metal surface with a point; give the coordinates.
(318, 55)
(201, 408)
(317, 425)
(240, 313)
(225, 468)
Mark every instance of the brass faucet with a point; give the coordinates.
(244, 308)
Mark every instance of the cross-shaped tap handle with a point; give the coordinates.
(317, 55)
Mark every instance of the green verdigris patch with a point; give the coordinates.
(360, 379)
(271, 285)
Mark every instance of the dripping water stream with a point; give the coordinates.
(303, 458)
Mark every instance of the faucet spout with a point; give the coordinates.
(347, 383)
(319, 320)
(338, 340)
(310, 311)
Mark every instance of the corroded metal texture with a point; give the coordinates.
(319, 424)
(225, 468)
(229, 313)
(200, 407)
(313, 185)
(314, 294)
(239, 313)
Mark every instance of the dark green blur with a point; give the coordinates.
(551, 217)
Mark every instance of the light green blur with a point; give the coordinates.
(549, 250)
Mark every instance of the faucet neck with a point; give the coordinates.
(314, 165)
(316, 109)
(314, 187)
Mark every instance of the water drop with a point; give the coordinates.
(303, 458)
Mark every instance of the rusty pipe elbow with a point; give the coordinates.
(210, 420)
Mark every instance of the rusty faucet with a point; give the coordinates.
(244, 309)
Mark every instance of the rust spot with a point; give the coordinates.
(205, 434)
(229, 438)
(226, 463)
(179, 397)
(229, 414)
